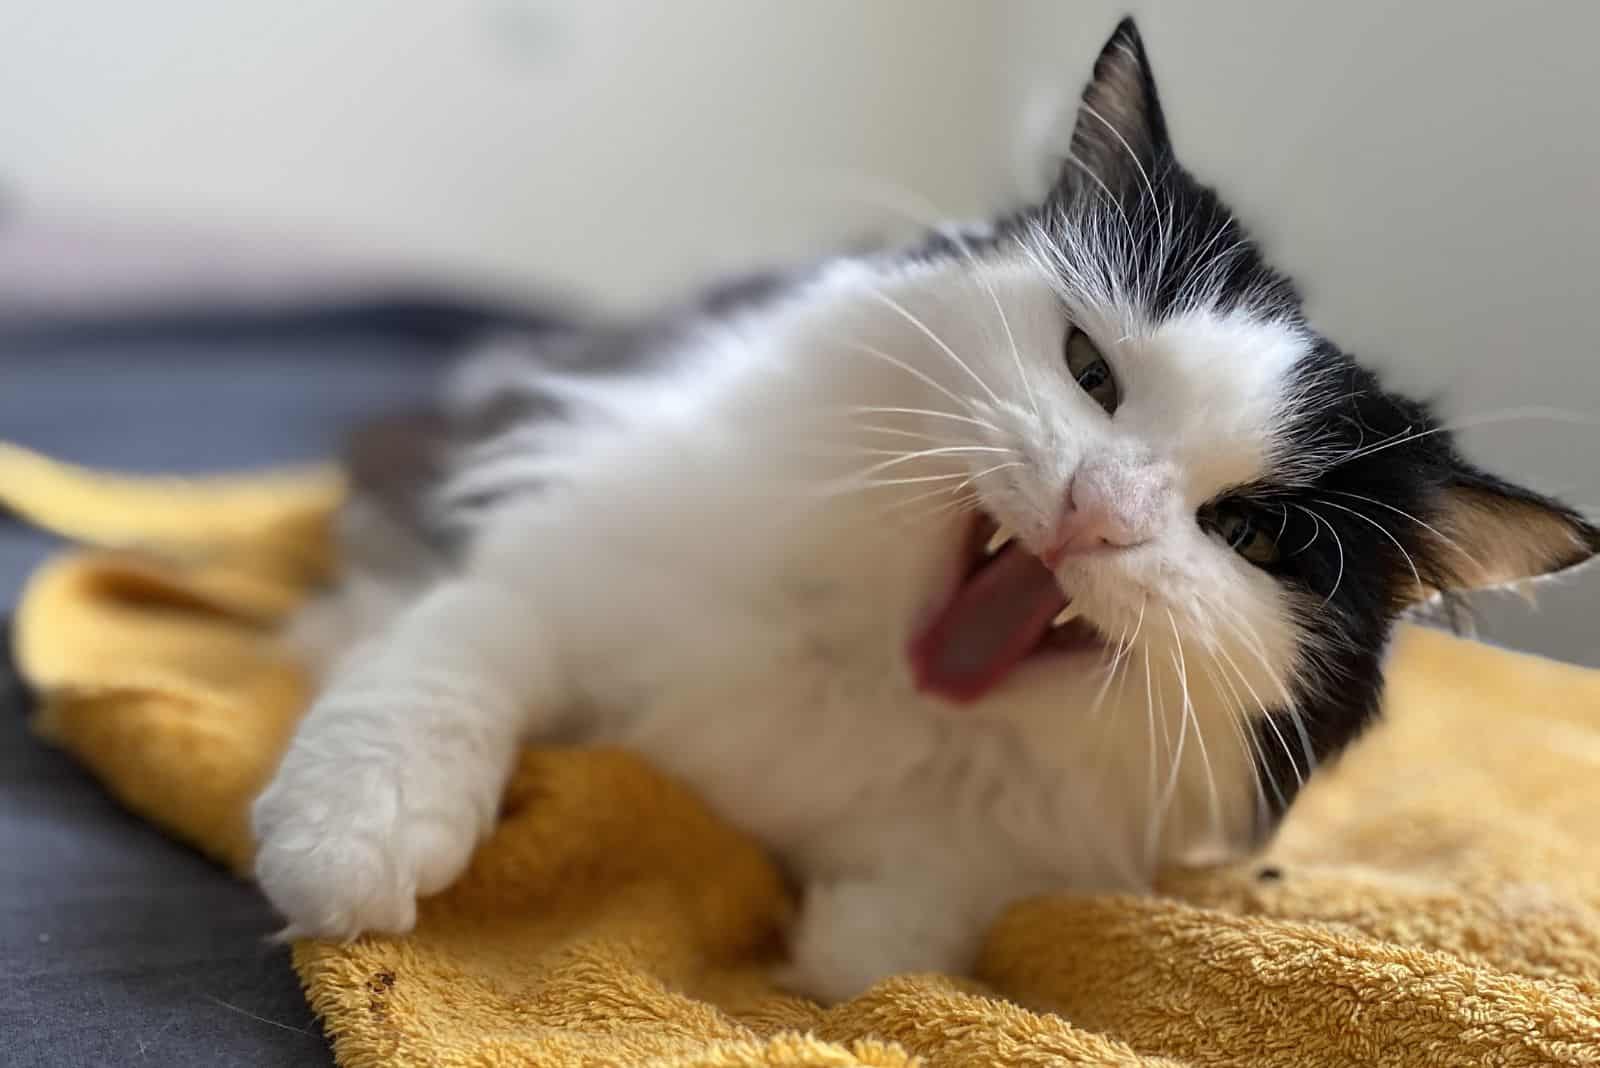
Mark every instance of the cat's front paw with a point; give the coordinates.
(853, 934)
(346, 849)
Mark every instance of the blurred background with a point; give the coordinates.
(1427, 170)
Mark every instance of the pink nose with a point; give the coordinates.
(1089, 523)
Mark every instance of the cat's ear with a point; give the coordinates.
(1119, 133)
(1487, 533)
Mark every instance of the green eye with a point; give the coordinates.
(1090, 370)
(1238, 527)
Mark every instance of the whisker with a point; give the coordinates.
(1451, 542)
(918, 209)
(1247, 633)
(1122, 660)
(1339, 544)
(959, 506)
(1222, 649)
(851, 485)
(1011, 339)
(1199, 735)
(908, 369)
(899, 432)
(1118, 655)
(1150, 725)
(1150, 189)
(1170, 788)
(1381, 530)
(1115, 202)
(1238, 719)
(1559, 415)
(870, 409)
(942, 450)
(927, 332)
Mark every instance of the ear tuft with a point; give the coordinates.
(1119, 129)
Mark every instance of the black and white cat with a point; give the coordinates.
(1034, 557)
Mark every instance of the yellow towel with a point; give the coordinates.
(1434, 899)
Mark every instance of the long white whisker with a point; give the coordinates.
(1222, 649)
(1425, 526)
(1119, 654)
(1239, 719)
(946, 492)
(1011, 340)
(1170, 788)
(1381, 530)
(896, 458)
(908, 369)
(1247, 632)
(1191, 713)
(1155, 202)
(1487, 419)
(927, 332)
(943, 450)
(1127, 224)
(964, 502)
(1315, 518)
(1110, 672)
(918, 209)
(1150, 725)
(901, 432)
(986, 471)
(852, 485)
(871, 409)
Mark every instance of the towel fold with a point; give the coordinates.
(1434, 899)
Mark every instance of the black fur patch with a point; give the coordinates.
(1361, 491)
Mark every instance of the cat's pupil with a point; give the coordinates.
(1236, 529)
(1090, 370)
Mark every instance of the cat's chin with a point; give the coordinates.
(1001, 609)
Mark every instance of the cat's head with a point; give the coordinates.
(1217, 488)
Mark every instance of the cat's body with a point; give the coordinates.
(752, 552)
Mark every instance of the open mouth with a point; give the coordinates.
(1004, 609)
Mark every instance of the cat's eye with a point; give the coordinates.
(1090, 370)
(1243, 532)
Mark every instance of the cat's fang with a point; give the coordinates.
(1066, 615)
(997, 541)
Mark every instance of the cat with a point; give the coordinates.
(1030, 558)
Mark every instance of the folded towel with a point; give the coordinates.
(1434, 899)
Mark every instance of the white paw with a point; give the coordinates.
(851, 935)
(344, 847)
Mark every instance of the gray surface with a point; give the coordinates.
(118, 946)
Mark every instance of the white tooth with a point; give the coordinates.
(1066, 615)
(997, 541)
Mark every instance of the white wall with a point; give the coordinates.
(1428, 170)
(624, 147)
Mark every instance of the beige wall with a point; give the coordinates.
(1428, 169)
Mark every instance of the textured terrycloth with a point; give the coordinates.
(1435, 899)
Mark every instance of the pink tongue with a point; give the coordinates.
(992, 621)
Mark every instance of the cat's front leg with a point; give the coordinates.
(853, 933)
(396, 772)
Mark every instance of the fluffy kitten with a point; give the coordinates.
(752, 541)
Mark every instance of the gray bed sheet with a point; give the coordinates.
(117, 945)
